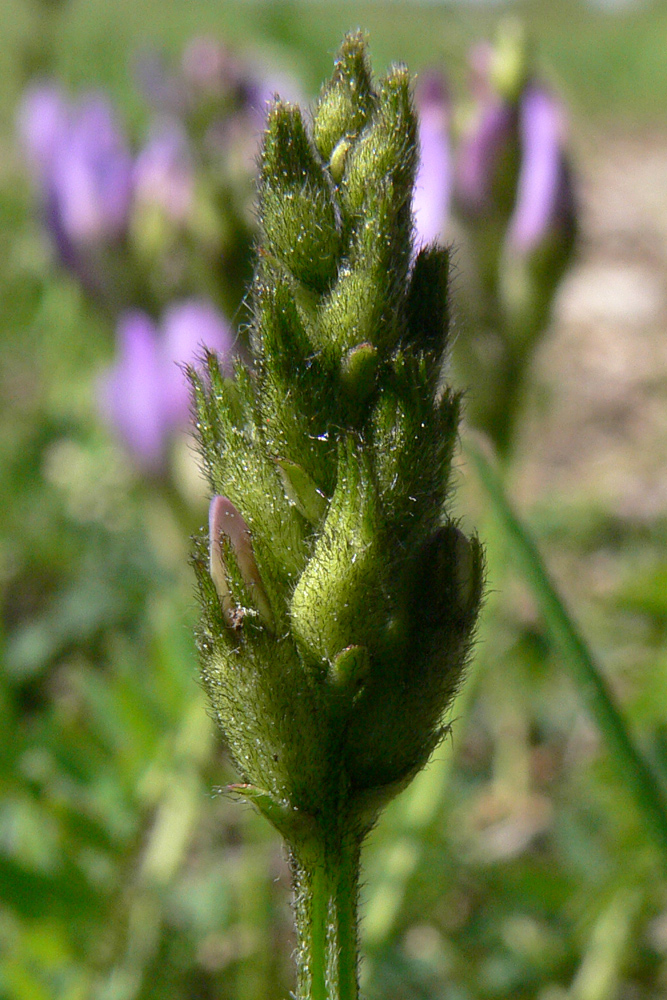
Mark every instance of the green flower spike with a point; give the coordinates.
(338, 598)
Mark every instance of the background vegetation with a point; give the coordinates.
(518, 865)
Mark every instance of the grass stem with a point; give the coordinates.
(632, 767)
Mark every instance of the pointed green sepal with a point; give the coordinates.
(428, 302)
(302, 491)
(296, 203)
(295, 826)
(388, 147)
(340, 599)
(450, 579)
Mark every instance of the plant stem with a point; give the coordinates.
(326, 885)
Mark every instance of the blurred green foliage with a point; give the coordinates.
(517, 866)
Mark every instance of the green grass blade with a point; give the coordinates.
(630, 764)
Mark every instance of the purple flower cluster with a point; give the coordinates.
(125, 224)
(216, 94)
(475, 177)
(503, 191)
(145, 396)
(87, 177)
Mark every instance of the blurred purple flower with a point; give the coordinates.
(479, 152)
(82, 164)
(480, 66)
(212, 69)
(187, 328)
(262, 86)
(511, 163)
(159, 85)
(209, 68)
(145, 396)
(433, 184)
(164, 171)
(543, 190)
(91, 175)
(132, 390)
(43, 117)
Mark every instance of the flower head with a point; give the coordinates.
(43, 118)
(90, 175)
(338, 596)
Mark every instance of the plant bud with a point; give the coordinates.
(297, 210)
(338, 599)
(346, 101)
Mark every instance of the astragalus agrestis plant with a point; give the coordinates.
(338, 596)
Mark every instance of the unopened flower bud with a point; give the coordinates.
(338, 598)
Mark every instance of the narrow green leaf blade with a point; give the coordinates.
(631, 765)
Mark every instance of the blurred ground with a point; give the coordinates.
(601, 434)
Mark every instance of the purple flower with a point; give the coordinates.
(210, 68)
(43, 118)
(543, 190)
(479, 154)
(145, 396)
(82, 164)
(511, 164)
(164, 172)
(159, 85)
(187, 328)
(91, 175)
(132, 391)
(430, 203)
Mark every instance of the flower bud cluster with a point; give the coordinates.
(338, 597)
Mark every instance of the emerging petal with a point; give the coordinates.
(430, 202)
(542, 168)
(225, 520)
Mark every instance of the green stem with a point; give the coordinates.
(326, 887)
(625, 754)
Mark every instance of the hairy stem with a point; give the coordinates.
(326, 884)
